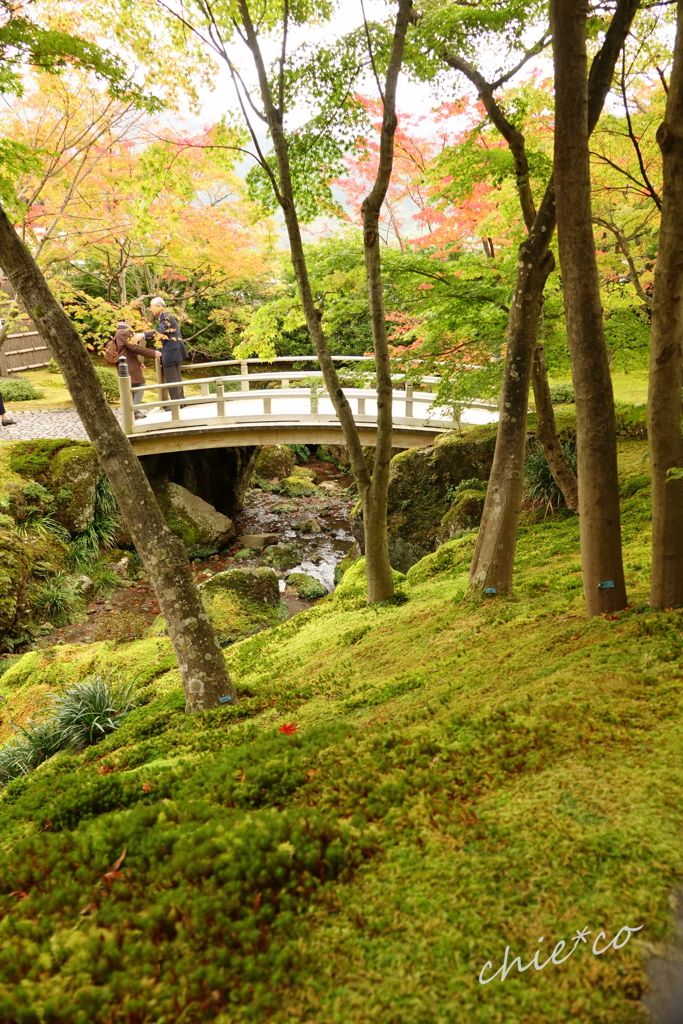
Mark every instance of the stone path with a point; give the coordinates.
(54, 423)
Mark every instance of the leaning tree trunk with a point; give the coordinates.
(373, 487)
(200, 659)
(599, 513)
(546, 432)
(666, 357)
(494, 554)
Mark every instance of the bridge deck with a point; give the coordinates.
(281, 415)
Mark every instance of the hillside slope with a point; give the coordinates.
(462, 778)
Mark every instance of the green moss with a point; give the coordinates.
(32, 458)
(463, 777)
(297, 487)
(281, 556)
(274, 462)
(354, 584)
(307, 587)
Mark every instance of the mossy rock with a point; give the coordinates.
(281, 556)
(297, 487)
(239, 602)
(453, 558)
(197, 523)
(354, 585)
(259, 586)
(352, 555)
(308, 588)
(421, 486)
(464, 514)
(69, 469)
(337, 454)
(24, 564)
(274, 462)
(305, 471)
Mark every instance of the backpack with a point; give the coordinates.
(111, 353)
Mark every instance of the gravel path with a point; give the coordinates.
(55, 423)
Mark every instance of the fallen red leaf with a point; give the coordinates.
(288, 729)
(109, 877)
(146, 787)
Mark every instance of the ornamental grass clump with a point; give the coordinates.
(86, 712)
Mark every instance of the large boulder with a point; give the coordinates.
(281, 556)
(464, 514)
(274, 462)
(298, 487)
(421, 491)
(70, 470)
(218, 475)
(197, 523)
(260, 586)
(241, 602)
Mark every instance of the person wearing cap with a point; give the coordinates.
(125, 345)
(173, 349)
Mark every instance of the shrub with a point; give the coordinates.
(631, 420)
(561, 394)
(109, 382)
(539, 481)
(85, 712)
(20, 391)
(52, 367)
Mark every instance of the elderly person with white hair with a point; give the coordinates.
(173, 349)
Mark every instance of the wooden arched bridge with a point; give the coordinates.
(292, 408)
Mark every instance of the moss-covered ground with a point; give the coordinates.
(454, 778)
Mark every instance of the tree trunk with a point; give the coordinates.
(546, 432)
(599, 514)
(494, 554)
(492, 567)
(372, 488)
(666, 357)
(380, 581)
(200, 659)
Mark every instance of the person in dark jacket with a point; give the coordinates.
(123, 339)
(173, 349)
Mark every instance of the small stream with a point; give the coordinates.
(131, 609)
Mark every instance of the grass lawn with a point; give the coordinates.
(462, 777)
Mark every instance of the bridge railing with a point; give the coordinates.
(416, 403)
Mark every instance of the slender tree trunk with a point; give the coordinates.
(599, 513)
(380, 581)
(373, 487)
(492, 566)
(200, 659)
(666, 357)
(494, 554)
(546, 432)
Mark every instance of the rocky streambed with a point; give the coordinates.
(304, 536)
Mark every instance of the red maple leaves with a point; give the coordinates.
(288, 729)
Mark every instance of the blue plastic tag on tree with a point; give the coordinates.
(224, 700)
(490, 590)
(606, 585)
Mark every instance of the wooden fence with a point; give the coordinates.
(24, 348)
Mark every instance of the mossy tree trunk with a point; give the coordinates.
(599, 513)
(200, 659)
(372, 487)
(666, 355)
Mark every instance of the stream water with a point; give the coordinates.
(132, 608)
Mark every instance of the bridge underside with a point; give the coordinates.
(233, 436)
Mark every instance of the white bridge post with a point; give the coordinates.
(220, 399)
(314, 398)
(409, 401)
(244, 370)
(126, 396)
